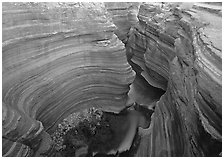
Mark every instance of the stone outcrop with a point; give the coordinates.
(172, 49)
(61, 58)
(58, 58)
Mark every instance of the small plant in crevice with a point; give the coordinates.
(82, 133)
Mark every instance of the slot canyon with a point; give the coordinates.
(122, 79)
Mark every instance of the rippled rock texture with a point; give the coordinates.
(58, 58)
(124, 15)
(62, 58)
(173, 50)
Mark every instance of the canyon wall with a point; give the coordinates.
(172, 49)
(124, 16)
(58, 58)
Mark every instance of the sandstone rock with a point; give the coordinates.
(173, 46)
(61, 58)
(58, 58)
(17, 149)
(124, 15)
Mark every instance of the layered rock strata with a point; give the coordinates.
(172, 50)
(58, 58)
(124, 15)
(61, 58)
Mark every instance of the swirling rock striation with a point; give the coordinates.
(173, 50)
(58, 58)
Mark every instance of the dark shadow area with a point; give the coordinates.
(98, 132)
(210, 146)
(143, 93)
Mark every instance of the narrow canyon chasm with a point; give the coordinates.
(133, 79)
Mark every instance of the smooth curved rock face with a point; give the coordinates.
(58, 58)
(172, 50)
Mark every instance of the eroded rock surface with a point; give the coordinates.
(61, 58)
(124, 15)
(173, 50)
(58, 58)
